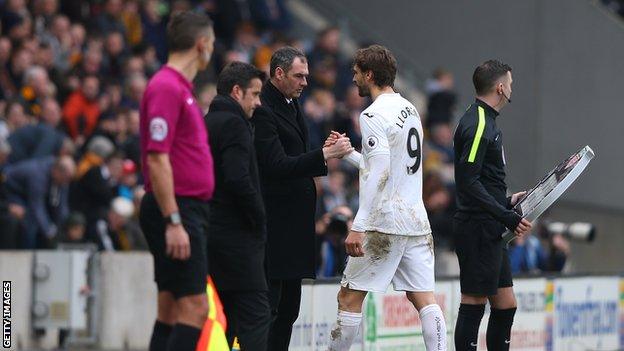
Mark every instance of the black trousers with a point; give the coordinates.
(285, 299)
(248, 317)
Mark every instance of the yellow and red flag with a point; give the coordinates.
(213, 333)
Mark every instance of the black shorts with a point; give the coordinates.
(483, 259)
(182, 278)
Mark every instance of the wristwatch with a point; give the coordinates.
(174, 218)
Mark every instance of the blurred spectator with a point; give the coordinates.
(128, 180)
(36, 87)
(534, 254)
(440, 206)
(439, 152)
(73, 229)
(41, 139)
(82, 111)
(328, 69)
(334, 193)
(332, 230)
(116, 231)
(320, 109)
(37, 192)
(131, 144)
(135, 86)
(93, 192)
(131, 19)
(59, 38)
(154, 28)
(15, 118)
(110, 19)
(9, 225)
(441, 98)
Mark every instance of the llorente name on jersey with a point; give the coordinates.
(405, 113)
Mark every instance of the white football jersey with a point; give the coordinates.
(391, 126)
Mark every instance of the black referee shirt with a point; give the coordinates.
(480, 167)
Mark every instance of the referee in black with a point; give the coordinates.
(484, 211)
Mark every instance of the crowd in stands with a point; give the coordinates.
(72, 75)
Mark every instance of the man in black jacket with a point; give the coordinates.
(237, 218)
(287, 167)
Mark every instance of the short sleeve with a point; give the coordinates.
(374, 137)
(163, 106)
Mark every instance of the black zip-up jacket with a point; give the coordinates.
(480, 167)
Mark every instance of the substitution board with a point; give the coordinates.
(551, 187)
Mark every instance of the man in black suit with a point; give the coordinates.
(287, 167)
(236, 245)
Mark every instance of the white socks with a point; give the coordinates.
(344, 331)
(433, 327)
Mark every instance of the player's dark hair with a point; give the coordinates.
(487, 74)
(378, 60)
(184, 28)
(284, 58)
(237, 73)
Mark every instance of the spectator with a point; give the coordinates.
(334, 193)
(440, 208)
(131, 144)
(59, 38)
(38, 140)
(73, 229)
(81, 110)
(116, 231)
(36, 87)
(6, 86)
(320, 110)
(115, 54)
(154, 28)
(15, 118)
(93, 192)
(9, 225)
(441, 98)
(37, 192)
(110, 19)
(333, 228)
(135, 86)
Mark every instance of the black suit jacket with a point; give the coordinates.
(237, 234)
(287, 167)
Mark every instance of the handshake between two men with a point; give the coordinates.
(336, 146)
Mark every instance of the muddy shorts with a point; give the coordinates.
(405, 261)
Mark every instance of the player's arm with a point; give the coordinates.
(468, 170)
(375, 141)
(379, 167)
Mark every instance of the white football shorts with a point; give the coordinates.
(405, 261)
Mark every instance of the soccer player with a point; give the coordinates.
(483, 212)
(390, 240)
(179, 181)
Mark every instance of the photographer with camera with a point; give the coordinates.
(332, 229)
(548, 248)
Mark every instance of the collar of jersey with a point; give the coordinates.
(490, 110)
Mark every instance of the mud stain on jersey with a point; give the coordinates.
(383, 180)
(377, 246)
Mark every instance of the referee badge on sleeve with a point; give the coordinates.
(158, 129)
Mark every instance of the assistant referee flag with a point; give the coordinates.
(213, 333)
